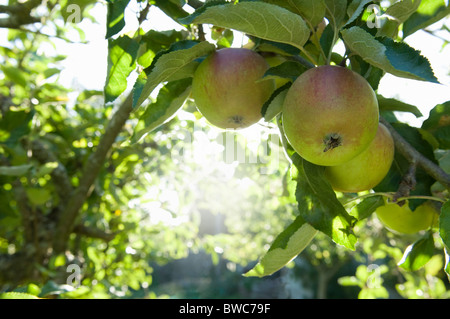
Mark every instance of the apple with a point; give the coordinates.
(330, 115)
(228, 88)
(402, 220)
(368, 168)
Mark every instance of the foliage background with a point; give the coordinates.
(171, 215)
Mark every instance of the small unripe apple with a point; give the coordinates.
(368, 168)
(402, 219)
(330, 115)
(228, 88)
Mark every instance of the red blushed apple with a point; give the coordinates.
(330, 115)
(228, 88)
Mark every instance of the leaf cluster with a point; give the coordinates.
(42, 158)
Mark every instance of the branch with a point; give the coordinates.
(16, 268)
(19, 14)
(93, 232)
(90, 171)
(407, 184)
(413, 156)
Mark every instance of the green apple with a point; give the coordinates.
(402, 220)
(368, 168)
(228, 88)
(330, 115)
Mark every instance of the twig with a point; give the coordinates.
(407, 184)
(201, 33)
(19, 14)
(93, 232)
(143, 14)
(413, 156)
(302, 61)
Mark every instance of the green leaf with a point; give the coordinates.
(350, 281)
(390, 104)
(288, 244)
(418, 254)
(439, 116)
(115, 20)
(170, 99)
(154, 41)
(263, 20)
(438, 123)
(318, 205)
(166, 64)
(274, 105)
(275, 47)
(366, 207)
(355, 9)
(444, 224)
(18, 170)
(373, 293)
(17, 295)
(408, 61)
(442, 134)
(371, 73)
(15, 75)
(173, 9)
(288, 70)
(335, 12)
(428, 12)
(78, 293)
(121, 61)
(327, 39)
(223, 37)
(51, 288)
(447, 263)
(38, 196)
(396, 58)
(402, 10)
(311, 11)
(46, 168)
(14, 124)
